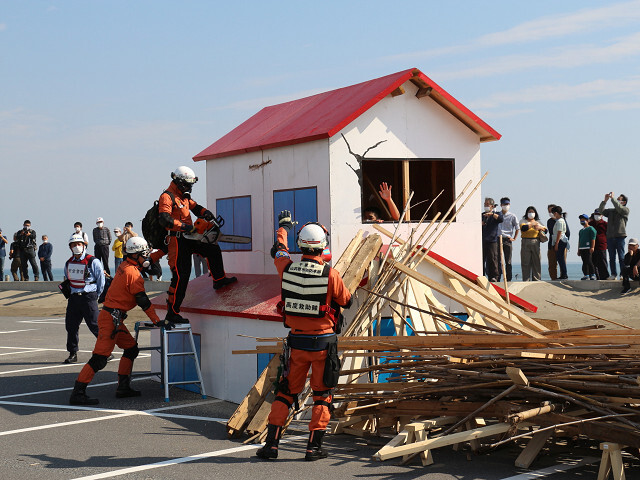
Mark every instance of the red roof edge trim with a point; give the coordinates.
(514, 299)
(472, 116)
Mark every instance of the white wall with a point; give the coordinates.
(412, 128)
(296, 166)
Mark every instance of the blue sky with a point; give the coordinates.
(101, 100)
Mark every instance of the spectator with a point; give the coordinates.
(28, 244)
(117, 248)
(3, 254)
(490, 222)
(127, 233)
(508, 230)
(586, 247)
(44, 254)
(630, 269)
(78, 229)
(600, 252)
(616, 229)
(531, 227)
(551, 253)
(102, 240)
(14, 256)
(560, 240)
(199, 264)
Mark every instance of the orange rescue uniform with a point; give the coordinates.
(301, 360)
(126, 284)
(176, 215)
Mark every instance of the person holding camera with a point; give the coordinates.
(618, 216)
(26, 238)
(491, 221)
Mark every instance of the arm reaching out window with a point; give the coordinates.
(385, 194)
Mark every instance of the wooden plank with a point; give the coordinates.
(516, 375)
(531, 451)
(451, 439)
(349, 252)
(428, 322)
(367, 252)
(473, 315)
(463, 300)
(252, 402)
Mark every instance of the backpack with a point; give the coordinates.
(152, 229)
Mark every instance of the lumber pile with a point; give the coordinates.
(495, 376)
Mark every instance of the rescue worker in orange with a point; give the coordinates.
(174, 208)
(312, 294)
(126, 291)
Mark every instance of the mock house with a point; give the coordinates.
(323, 158)
(314, 156)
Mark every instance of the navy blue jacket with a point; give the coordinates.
(490, 227)
(45, 250)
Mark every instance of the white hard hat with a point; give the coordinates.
(312, 236)
(99, 219)
(137, 245)
(185, 174)
(76, 237)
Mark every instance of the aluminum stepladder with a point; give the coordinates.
(163, 349)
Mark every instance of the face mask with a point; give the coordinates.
(582, 222)
(78, 229)
(100, 225)
(597, 218)
(531, 215)
(45, 241)
(77, 249)
(25, 228)
(488, 209)
(551, 215)
(505, 208)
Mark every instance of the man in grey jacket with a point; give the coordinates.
(102, 240)
(616, 229)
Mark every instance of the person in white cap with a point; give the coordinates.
(102, 240)
(630, 265)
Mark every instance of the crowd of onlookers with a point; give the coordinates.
(601, 232)
(23, 251)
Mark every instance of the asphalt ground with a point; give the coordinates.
(42, 437)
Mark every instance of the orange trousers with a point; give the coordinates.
(299, 363)
(105, 345)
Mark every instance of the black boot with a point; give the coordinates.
(223, 282)
(79, 395)
(175, 317)
(124, 389)
(314, 447)
(270, 449)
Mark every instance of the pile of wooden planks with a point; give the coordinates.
(439, 380)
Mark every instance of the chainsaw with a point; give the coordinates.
(209, 232)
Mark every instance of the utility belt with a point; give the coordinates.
(83, 292)
(118, 317)
(311, 343)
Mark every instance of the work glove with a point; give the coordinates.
(208, 215)
(189, 229)
(284, 220)
(166, 324)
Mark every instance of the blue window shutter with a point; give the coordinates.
(303, 204)
(224, 207)
(242, 220)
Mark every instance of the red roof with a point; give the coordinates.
(324, 115)
(254, 296)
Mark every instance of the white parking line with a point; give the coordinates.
(61, 365)
(176, 461)
(18, 331)
(562, 467)
(24, 351)
(53, 321)
(156, 412)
